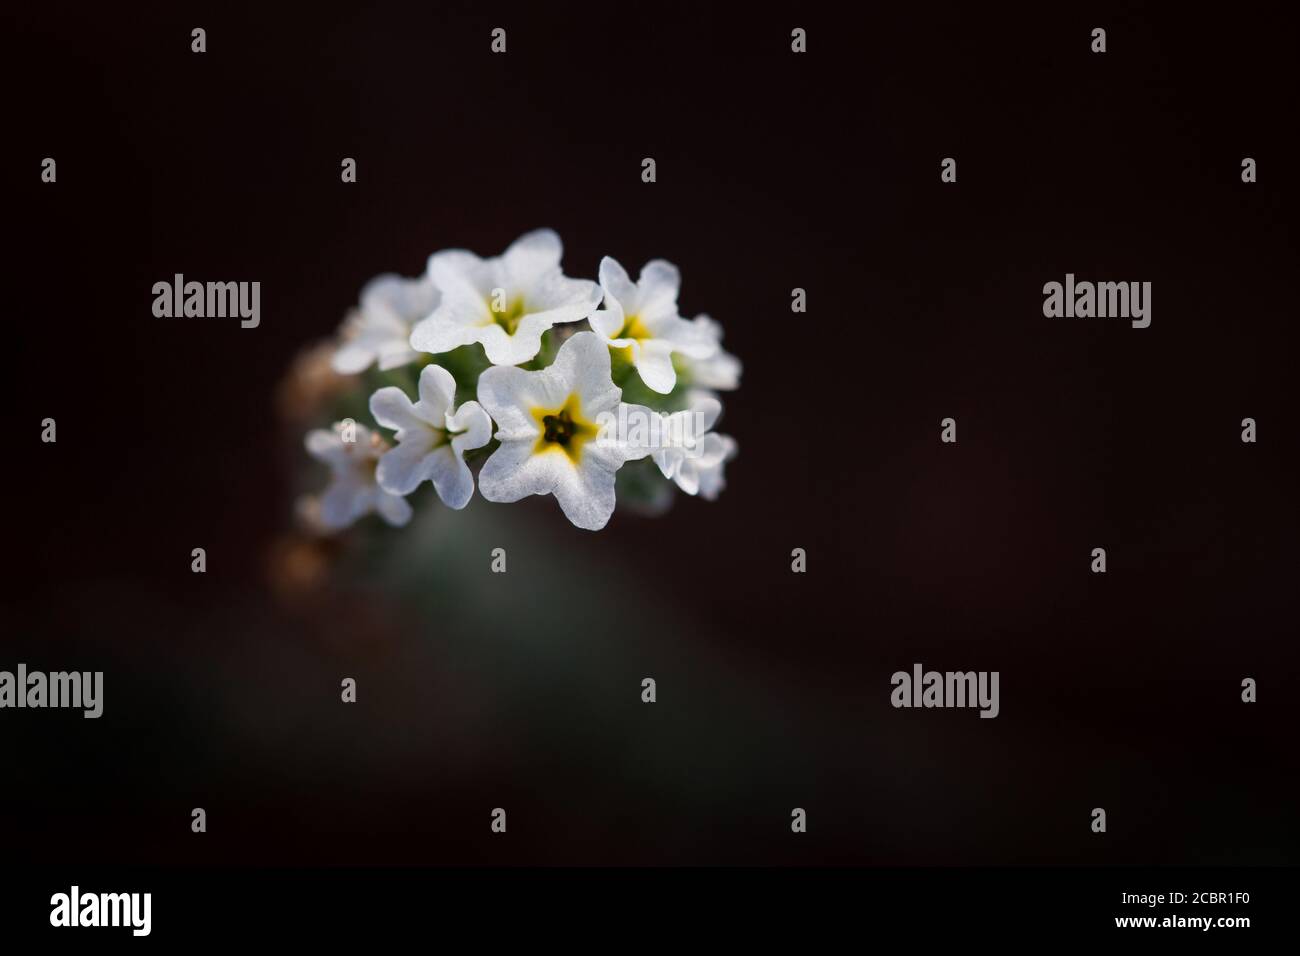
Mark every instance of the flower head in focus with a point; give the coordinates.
(432, 438)
(546, 408)
(505, 303)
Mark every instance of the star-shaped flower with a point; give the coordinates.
(380, 330)
(641, 320)
(353, 491)
(431, 438)
(505, 303)
(557, 432)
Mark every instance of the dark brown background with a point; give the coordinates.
(774, 171)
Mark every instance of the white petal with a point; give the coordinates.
(450, 476)
(586, 493)
(658, 286)
(502, 348)
(380, 330)
(615, 281)
(508, 394)
(608, 322)
(369, 337)
(716, 449)
(392, 409)
(668, 460)
(396, 354)
(559, 299)
(394, 509)
(709, 326)
(720, 370)
(404, 299)
(582, 366)
(654, 363)
(450, 327)
(437, 393)
(458, 272)
(341, 504)
(514, 472)
(324, 445)
(532, 255)
(473, 424)
(685, 337)
(401, 469)
(687, 476)
(352, 358)
(718, 452)
(708, 408)
(606, 455)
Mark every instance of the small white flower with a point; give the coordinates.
(353, 491)
(380, 331)
(720, 370)
(555, 434)
(431, 438)
(505, 303)
(694, 455)
(642, 319)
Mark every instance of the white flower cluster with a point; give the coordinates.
(505, 331)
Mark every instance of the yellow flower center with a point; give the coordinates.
(633, 328)
(563, 429)
(507, 317)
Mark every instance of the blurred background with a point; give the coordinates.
(522, 690)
